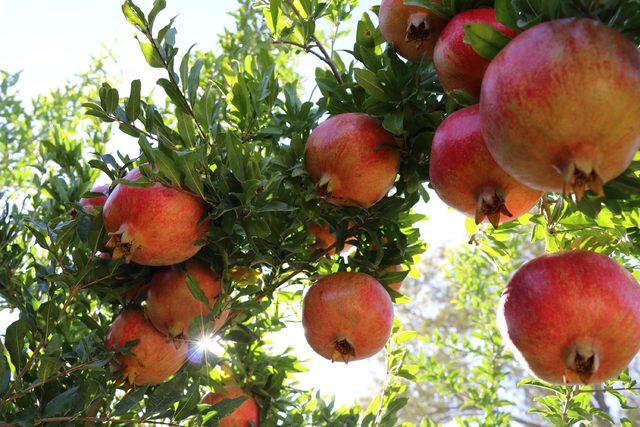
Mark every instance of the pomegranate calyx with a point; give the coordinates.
(582, 361)
(579, 182)
(343, 350)
(122, 243)
(491, 204)
(418, 28)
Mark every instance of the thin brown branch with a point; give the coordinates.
(63, 373)
(104, 420)
(604, 390)
(173, 81)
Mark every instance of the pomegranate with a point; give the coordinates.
(466, 177)
(91, 203)
(572, 317)
(325, 239)
(560, 106)
(412, 30)
(171, 306)
(154, 225)
(459, 67)
(153, 359)
(352, 159)
(347, 316)
(393, 269)
(246, 415)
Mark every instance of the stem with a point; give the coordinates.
(103, 420)
(68, 371)
(172, 79)
(605, 390)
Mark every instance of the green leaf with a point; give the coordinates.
(14, 341)
(195, 289)
(174, 95)
(158, 6)
(222, 409)
(150, 54)
(134, 14)
(5, 371)
(60, 404)
(132, 109)
(506, 14)
(485, 40)
(369, 82)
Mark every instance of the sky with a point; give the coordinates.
(50, 41)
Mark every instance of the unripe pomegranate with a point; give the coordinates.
(412, 30)
(154, 225)
(325, 239)
(560, 105)
(466, 177)
(171, 306)
(153, 359)
(459, 67)
(246, 415)
(347, 316)
(572, 317)
(352, 159)
(91, 203)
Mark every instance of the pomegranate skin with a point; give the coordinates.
(561, 104)
(325, 239)
(351, 159)
(347, 316)
(170, 305)
(459, 67)
(246, 415)
(465, 176)
(412, 30)
(154, 358)
(572, 317)
(91, 204)
(155, 226)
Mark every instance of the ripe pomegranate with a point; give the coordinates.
(572, 317)
(153, 359)
(412, 30)
(393, 269)
(352, 160)
(246, 415)
(347, 316)
(459, 67)
(91, 203)
(154, 225)
(325, 239)
(466, 177)
(171, 306)
(560, 105)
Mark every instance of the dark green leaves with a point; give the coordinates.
(485, 40)
(15, 342)
(134, 15)
(506, 13)
(132, 109)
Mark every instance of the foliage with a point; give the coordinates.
(232, 130)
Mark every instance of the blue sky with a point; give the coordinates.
(51, 40)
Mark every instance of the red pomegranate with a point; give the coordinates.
(246, 415)
(325, 239)
(466, 177)
(393, 269)
(560, 105)
(171, 306)
(91, 203)
(352, 159)
(572, 317)
(154, 225)
(412, 30)
(153, 359)
(459, 67)
(347, 316)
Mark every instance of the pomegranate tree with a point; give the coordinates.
(572, 317)
(154, 225)
(352, 159)
(153, 359)
(89, 204)
(465, 176)
(412, 30)
(560, 105)
(171, 306)
(246, 415)
(459, 67)
(347, 316)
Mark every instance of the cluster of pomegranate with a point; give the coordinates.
(559, 110)
(162, 227)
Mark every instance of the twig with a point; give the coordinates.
(103, 420)
(68, 371)
(605, 390)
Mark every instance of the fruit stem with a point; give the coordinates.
(491, 205)
(343, 350)
(418, 28)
